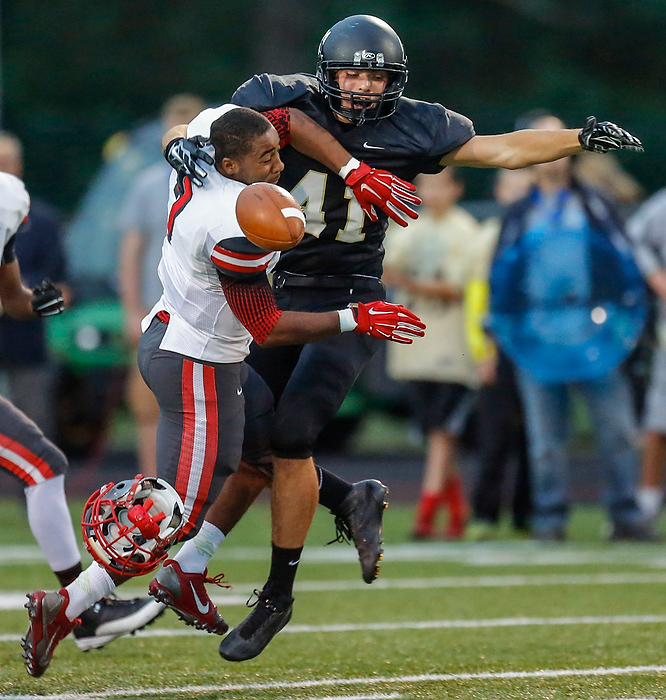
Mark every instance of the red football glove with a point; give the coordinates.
(381, 319)
(379, 188)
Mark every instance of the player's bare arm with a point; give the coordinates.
(15, 297)
(520, 149)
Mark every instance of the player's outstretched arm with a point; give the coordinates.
(520, 149)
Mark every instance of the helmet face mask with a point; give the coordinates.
(129, 526)
(362, 42)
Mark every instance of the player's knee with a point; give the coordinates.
(292, 441)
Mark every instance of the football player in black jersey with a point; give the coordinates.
(357, 96)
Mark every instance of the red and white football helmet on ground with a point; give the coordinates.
(129, 526)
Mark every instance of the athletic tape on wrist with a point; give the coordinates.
(346, 169)
(347, 320)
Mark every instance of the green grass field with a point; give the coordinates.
(503, 619)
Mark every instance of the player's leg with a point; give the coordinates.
(358, 507)
(322, 377)
(33, 459)
(200, 436)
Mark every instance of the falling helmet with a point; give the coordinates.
(129, 526)
(362, 42)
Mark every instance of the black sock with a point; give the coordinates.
(68, 575)
(284, 564)
(332, 490)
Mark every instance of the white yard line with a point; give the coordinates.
(499, 553)
(343, 682)
(15, 600)
(417, 625)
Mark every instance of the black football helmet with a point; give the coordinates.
(362, 42)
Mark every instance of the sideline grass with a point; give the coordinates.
(579, 657)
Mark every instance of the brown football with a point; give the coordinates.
(270, 217)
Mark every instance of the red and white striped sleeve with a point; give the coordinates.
(238, 258)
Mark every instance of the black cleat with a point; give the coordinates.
(251, 637)
(111, 618)
(360, 520)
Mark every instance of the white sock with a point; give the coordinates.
(649, 500)
(51, 523)
(90, 585)
(195, 554)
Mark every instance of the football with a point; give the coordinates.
(270, 217)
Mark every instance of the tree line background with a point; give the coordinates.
(76, 72)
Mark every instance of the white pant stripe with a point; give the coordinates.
(199, 447)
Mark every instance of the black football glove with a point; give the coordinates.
(47, 299)
(183, 155)
(601, 137)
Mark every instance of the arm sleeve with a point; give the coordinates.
(252, 303)
(240, 259)
(280, 118)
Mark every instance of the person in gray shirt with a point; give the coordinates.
(143, 222)
(647, 229)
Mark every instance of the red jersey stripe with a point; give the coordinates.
(224, 265)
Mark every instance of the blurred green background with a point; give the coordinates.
(75, 72)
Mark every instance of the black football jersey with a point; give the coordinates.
(341, 240)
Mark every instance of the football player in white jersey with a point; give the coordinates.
(34, 460)
(216, 299)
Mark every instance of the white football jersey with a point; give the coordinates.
(203, 237)
(14, 206)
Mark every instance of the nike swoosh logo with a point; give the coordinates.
(294, 562)
(239, 391)
(374, 312)
(203, 609)
(375, 148)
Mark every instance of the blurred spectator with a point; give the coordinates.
(27, 373)
(143, 221)
(647, 229)
(568, 304)
(430, 262)
(499, 423)
(607, 175)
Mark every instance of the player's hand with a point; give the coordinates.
(185, 155)
(379, 188)
(386, 321)
(601, 137)
(47, 299)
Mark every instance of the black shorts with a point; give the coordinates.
(441, 405)
(310, 382)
